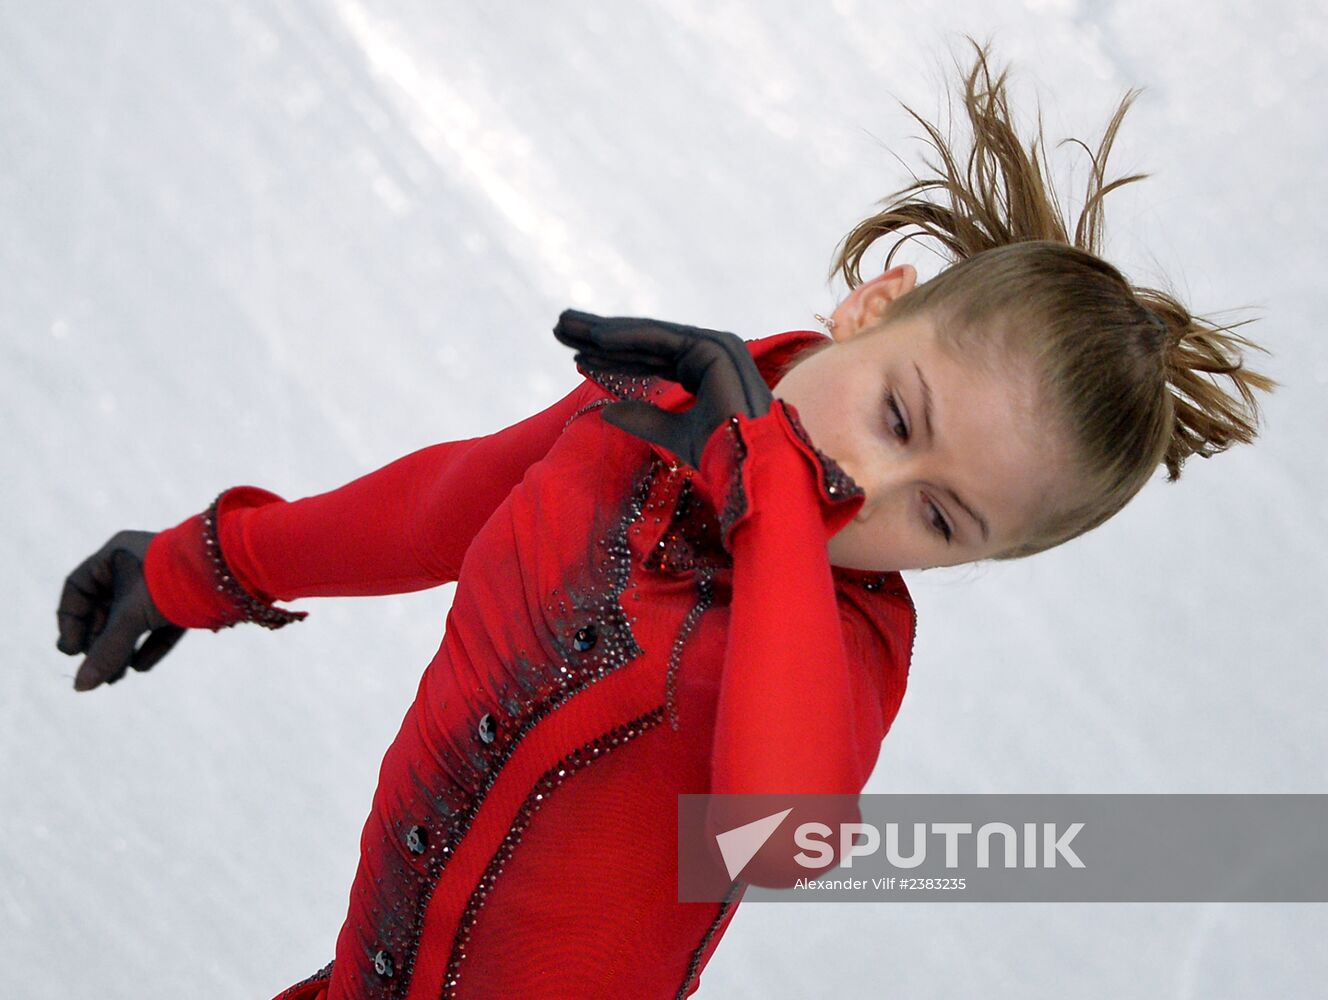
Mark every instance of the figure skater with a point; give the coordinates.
(684, 576)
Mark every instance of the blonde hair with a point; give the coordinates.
(1131, 370)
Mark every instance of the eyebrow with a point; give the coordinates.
(926, 419)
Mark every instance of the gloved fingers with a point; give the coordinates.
(573, 327)
(110, 652)
(611, 354)
(717, 368)
(73, 632)
(685, 354)
(97, 622)
(573, 330)
(81, 596)
(617, 334)
(158, 643)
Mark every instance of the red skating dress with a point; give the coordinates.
(624, 629)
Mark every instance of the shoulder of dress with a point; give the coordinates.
(889, 583)
(773, 353)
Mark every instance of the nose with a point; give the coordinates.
(881, 484)
(867, 487)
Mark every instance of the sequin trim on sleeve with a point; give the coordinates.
(837, 484)
(251, 608)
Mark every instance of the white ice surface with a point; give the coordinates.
(284, 243)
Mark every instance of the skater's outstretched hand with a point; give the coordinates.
(104, 609)
(717, 368)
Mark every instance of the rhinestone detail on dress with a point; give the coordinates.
(548, 781)
(627, 386)
(594, 405)
(586, 618)
(639, 387)
(704, 596)
(323, 974)
(691, 540)
(455, 784)
(735, 501)
(724, 907)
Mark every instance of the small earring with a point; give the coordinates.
(829, 324)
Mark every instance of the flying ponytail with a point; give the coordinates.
(1138, 381)
(1206, 419)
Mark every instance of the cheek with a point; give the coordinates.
(825, 420)
(846, 428)
(840, 411)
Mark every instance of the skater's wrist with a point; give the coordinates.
(252, 607)
(191, 581)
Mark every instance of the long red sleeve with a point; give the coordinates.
(808, 688)
(402, 528)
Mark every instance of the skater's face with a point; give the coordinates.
(955, 458)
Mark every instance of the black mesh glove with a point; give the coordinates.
(104, 609)
(717, 368)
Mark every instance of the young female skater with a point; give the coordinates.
(684, 576)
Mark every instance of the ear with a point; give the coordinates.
(867, 303)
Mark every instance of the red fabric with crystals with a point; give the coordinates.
(522, 840)
(402, 528)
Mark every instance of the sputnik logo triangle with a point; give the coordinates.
(739, 845)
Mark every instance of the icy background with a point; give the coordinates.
(285, 243)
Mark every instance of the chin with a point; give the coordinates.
(845, 557)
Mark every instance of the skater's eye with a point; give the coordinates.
(933, 516)
(894, 417)
(936, 520)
